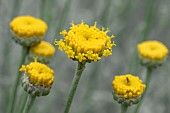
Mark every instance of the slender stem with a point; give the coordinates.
(22, 102)
(148, 19)
(105, 14)
(42, 8)
(63, 17)
(16, 82)
(147, 81)
(124, 108)
(74, 85)
(30, 101)
(148, 22)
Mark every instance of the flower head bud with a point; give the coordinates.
(27, 30)
(127, 89)
(37, 79)
(152, 53)
(43, 51)
(85, 43)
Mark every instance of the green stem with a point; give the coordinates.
(148, 19)
(148, 22)
(80, 68)
(30, 101)
(22, 102)
(42, 8)
(124, 108)
(63, 17)
(16, 7)
(16, 82)
(147, 81)
(105, 13)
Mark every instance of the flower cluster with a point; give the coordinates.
(27, 30)
(128, 88)
(152, 53)
(38, 78)
(85, 43)
(43, 51)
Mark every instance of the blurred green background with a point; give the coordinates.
(131, 21)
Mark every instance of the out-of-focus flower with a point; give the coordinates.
(28, 30)
(127, 89)
(43, 51)
(37, 79)
(85, 43)
(152, 53)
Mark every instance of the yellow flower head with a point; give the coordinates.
(152, 53)
(128, 86)
(27, 30)
(39, 74)
(85, 43)
(153, 50)
(28, 26)
(43, 49)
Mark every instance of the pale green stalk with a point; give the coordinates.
(147, 21)
(49, 15)
(77, 76)
(7, 53)
(147, 82)
(30, 101)
(124, 108)
(22, 102)
(63, 17)
(16, 82)
(105, 15)
(42, 8)
(8, 41)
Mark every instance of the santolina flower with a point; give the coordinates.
(27, 30)
(152, 53)
(37, 79)
(43, 51)
(85, 43)
(127, 89)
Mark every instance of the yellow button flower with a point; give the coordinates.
(38, 78)
(28, 30)
(44, 51)
(127, 88)
(152, 52)
(87, 42)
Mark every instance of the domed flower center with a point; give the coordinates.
(88, 38)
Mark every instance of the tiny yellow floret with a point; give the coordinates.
(85, 43)
(80, 57)
(128, 86)
(39, 74)
(60, 43)
(106, 53)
